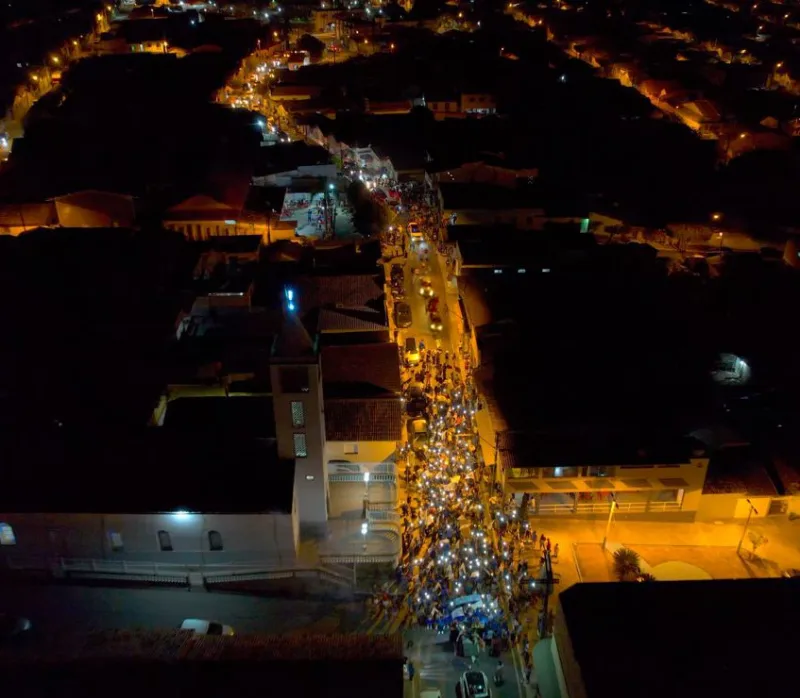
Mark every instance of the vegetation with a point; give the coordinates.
(626, 565)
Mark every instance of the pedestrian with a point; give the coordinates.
(533, 538)
(555, 551)
(548, 545)
(542, 542)
(411, 671)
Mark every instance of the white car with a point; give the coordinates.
(206, 627)
(474, 684)
(425, 287)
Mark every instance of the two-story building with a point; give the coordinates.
(572, 477)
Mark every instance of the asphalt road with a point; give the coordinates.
(438, 667)
(53, 607)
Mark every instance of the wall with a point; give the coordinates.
(713, 507)
(268, 538)
(743, 508)
(370, 454)
(311, 481)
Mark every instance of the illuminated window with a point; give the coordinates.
(298, 414)
(7, 536)
(116, 541)
(214, 540)
(300, 448)
(165, 541)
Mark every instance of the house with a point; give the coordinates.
(282, 163)
(95, 209)
(363, 407)
(478, 103)
(594, 628)
(564, 477)
(285, 93)
(17, 218)
(297, 59)
(526, 207)
(444, 106)
(201, 216)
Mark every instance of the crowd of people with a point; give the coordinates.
(464, 568)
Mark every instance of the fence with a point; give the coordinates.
(357, 477)
(603, 508)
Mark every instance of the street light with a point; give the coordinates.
(746, 524)
(614, 506)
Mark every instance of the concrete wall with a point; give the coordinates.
(311, 481)
(715, 507)
(268, 538)
(370, 454)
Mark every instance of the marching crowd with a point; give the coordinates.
(464, 568)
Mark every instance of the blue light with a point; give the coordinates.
(291, 305)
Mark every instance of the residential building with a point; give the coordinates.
(478, 103)
(96, 209)
(593, 631)
(564, 476)
(17, 218)
(165, 512)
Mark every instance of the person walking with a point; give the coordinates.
(555, 551)
(542, 542)
(411, 671)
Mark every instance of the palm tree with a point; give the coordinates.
(646, 577)
(626, 564)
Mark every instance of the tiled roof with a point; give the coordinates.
(378, 419)
(361, 370)
(351, 290)
(341, 303)
(351, 319)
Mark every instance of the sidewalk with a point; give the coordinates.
(782, 550)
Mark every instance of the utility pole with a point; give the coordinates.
(549, 581)
(746, 524)
(612, 509)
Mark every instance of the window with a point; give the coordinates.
(351, 448)
(214, 540)
(300, 448)
(165, 541)
(7, 536)
(560, 471)
(599, 471)
(298, 414)
(116, 541)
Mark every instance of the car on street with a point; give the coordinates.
(416, 401)
(425, 287)
(398, 293)
(397, 272)
(417, 432)
(414, 231)
(422, 270)
(474, 684)
(435, 322)
(12, 627)
(411, 351)
(206, 627)
(402, 314)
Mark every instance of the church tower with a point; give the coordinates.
(296, 374)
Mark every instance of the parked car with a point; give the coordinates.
(414, 231)
(412, 351)
(416, 402)
(397, 272)
(398, 293)
(474, 684)
(402, 314)
(12, 627)
(417, 432)
(206, 627)
(425, 287)
(436, 322)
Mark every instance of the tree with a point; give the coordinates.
(626, 564)
(646, 577)
(369, 217)
(313, 45)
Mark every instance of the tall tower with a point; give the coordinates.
(297, 401)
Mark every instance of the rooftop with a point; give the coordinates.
(237, 417)
(637, 637)
(363, 420)
(361, 370)
(167, 662)
(346, 303)
(518, 449)
(163, 471)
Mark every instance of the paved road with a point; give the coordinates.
(56, 607)
(438, 667)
